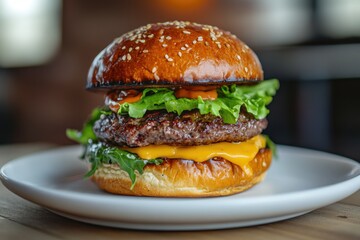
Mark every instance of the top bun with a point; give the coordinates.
(174, 54)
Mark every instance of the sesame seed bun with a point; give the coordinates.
(174, 54)
(185, 178)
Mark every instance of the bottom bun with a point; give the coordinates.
(185, 178)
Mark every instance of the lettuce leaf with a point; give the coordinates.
(87, 132)
(230, 99)
(97, 153)
(270, 144)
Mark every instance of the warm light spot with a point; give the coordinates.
(182, 5)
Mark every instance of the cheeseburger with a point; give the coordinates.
(185, 105)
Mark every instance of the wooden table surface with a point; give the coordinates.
(20, 219)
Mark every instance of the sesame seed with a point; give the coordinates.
(183, 48)
(151, 36)
(161, 32)
(168, 38)
(130, 49)
(137, 48)
(186, 32)
(200, 39)
(246, 69)
(206, 43)
(145, 51)
(186, 45)
(164, 45)
(205, 28)
(153, 70)
(168, 58)
(180, 54)
(128, 57)
(246, 46)
(243, 50)
(142, 40)
(156, 77)
(227, 45)
(194, 41)
(148, 26)
(264, 164)
(238, 57)
(123, 58)
(123, 47)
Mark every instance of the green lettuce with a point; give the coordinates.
(97, 153)
(87, 132)
(230, 99)
(270, 144)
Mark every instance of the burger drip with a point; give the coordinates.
(114, 98)
(189, 93)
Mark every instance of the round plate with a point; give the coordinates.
(299, 181)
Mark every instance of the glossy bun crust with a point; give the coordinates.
(185, 178)
(174, 54)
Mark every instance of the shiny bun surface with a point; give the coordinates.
(174, 54)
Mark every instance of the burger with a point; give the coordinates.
(185, 106)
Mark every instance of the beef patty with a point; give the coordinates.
(160, 127)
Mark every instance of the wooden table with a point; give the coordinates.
(20, 219)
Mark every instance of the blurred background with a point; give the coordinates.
(311, 46)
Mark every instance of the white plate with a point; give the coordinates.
(298, 182)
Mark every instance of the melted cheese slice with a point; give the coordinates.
(240, 153)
